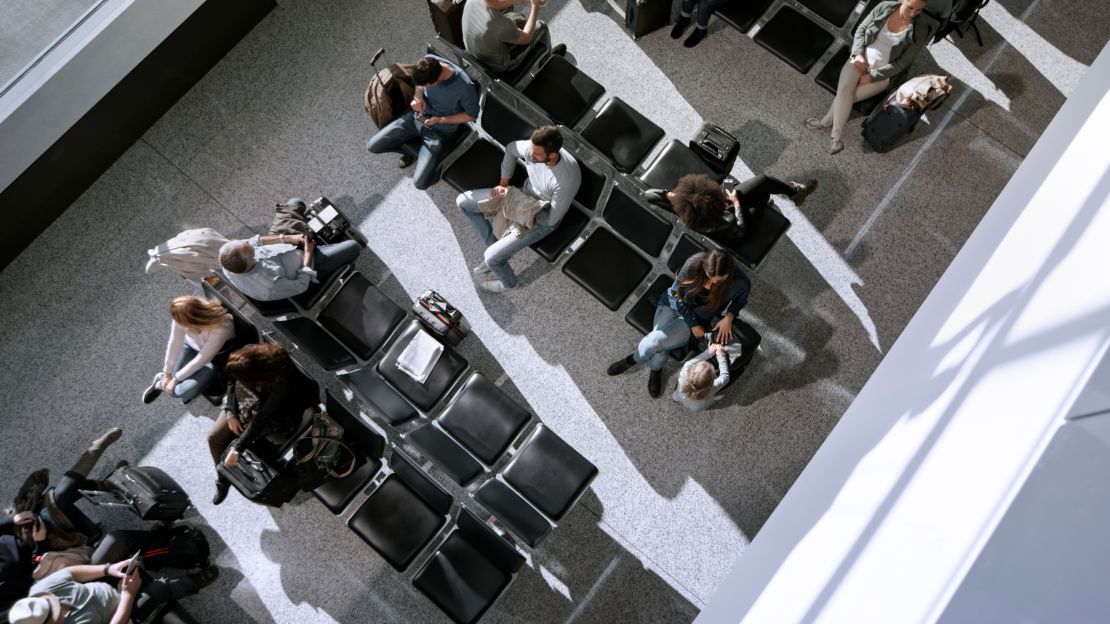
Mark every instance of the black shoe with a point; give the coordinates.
(205, 577)
(559, 50)
(222, 488)
(802, 191)
(655, 383)
(680, 27)
(618, 367)
(406, 161)
(695, 37)
(154, 391)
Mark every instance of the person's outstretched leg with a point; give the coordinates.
(468, 205)
(85, 463)
(498, 254)
(330, 258)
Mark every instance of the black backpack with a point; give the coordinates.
(178, 547)
(964, 12)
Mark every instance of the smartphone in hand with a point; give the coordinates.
(134, 563)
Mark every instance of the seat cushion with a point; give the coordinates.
(549, 247)
(336, 494)
(676, 160)
(480, 167)
(743, 14)
(563, 91)
(272, 308)
(642, 314)
(637, 223)
(446, 453)
(368, 385)
(461, 580)
(682, 251)
(422, 395)
(483, 418)
(550, 473)
(607, 267)
(368, 447)
(589, 191)
(361, 316)
(622, 134)
(761, 237)
(835, 12)
(794, 38)
(504, 124)
(396, 523)
(513, 511)
(312, 338)
(317, 290)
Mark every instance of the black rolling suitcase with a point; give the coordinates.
(716, 146)
(258, 481)
(644, 16)
(447, 19)
(148, 492)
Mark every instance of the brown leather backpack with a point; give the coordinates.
(389, 93)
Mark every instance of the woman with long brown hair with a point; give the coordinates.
(266, 393)
(710, 285)
(198, 333)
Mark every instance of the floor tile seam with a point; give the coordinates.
(196, 183)
(643, 556)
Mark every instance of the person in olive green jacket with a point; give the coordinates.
(885, 44)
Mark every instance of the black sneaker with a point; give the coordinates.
(406, 161)
(695, 37)
(154, 391)
(222, 488)
(618, 367)
(655, 383)
(559, 50)
(802, 191)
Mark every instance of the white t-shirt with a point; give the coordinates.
(878, 53)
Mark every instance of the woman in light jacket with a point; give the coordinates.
(198, 333)
(885, 44)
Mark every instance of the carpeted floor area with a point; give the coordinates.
(679, 495)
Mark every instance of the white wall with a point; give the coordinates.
(74, 76)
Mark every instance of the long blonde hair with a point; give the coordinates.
(198, 313)
(699, 381)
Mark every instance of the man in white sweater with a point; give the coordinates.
(553, 175)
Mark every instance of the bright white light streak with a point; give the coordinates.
(1059, 69)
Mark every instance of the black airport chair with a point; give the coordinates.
(622, 134)
(403, 514)
(563, 91)
(269, 309)
(638, 224)
(513, 511)
(483, 419)
(422, 395)
(682, 251)
(835, 12)
(445, 453)
(368, 448)
(549, 247)
(642, 314)
(535, 53)
(361, 316)
(743, 14)
(317, 290)
(794, 38)
(309, 336)
(370, 387)
(469, 571)
(676, 160)
(504, 123)
(762, 235)
(593, 183)
(607, 267)
(480, 167)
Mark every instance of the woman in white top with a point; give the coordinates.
(198, 333)
(885, 44)
(697, 385)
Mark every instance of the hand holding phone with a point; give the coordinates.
(134, 563)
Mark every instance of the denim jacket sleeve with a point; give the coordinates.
(677, 303)
(738, 291)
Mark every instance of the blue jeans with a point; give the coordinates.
(668, 332)
(705, 9)
(188, 389)
(497, 252)
(432, 143)
(330, 258)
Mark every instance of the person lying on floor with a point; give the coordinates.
(703, 205)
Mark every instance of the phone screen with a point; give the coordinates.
(131, 565)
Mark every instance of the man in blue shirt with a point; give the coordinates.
(445, 98)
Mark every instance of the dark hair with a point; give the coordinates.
(426, 72)
(712, 263)
(549, 138)
(259, 366)
(699, 201)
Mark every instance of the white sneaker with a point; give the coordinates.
(494, 286)
(481, 269)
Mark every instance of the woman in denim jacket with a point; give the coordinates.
(710, 285)
(885, 44)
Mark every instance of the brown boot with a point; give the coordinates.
(85, 463)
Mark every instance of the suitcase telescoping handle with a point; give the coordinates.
(377, 57)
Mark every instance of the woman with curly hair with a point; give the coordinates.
(266, 392)
(708, 293)
(705, 207)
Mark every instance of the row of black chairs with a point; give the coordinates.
(466, 429)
